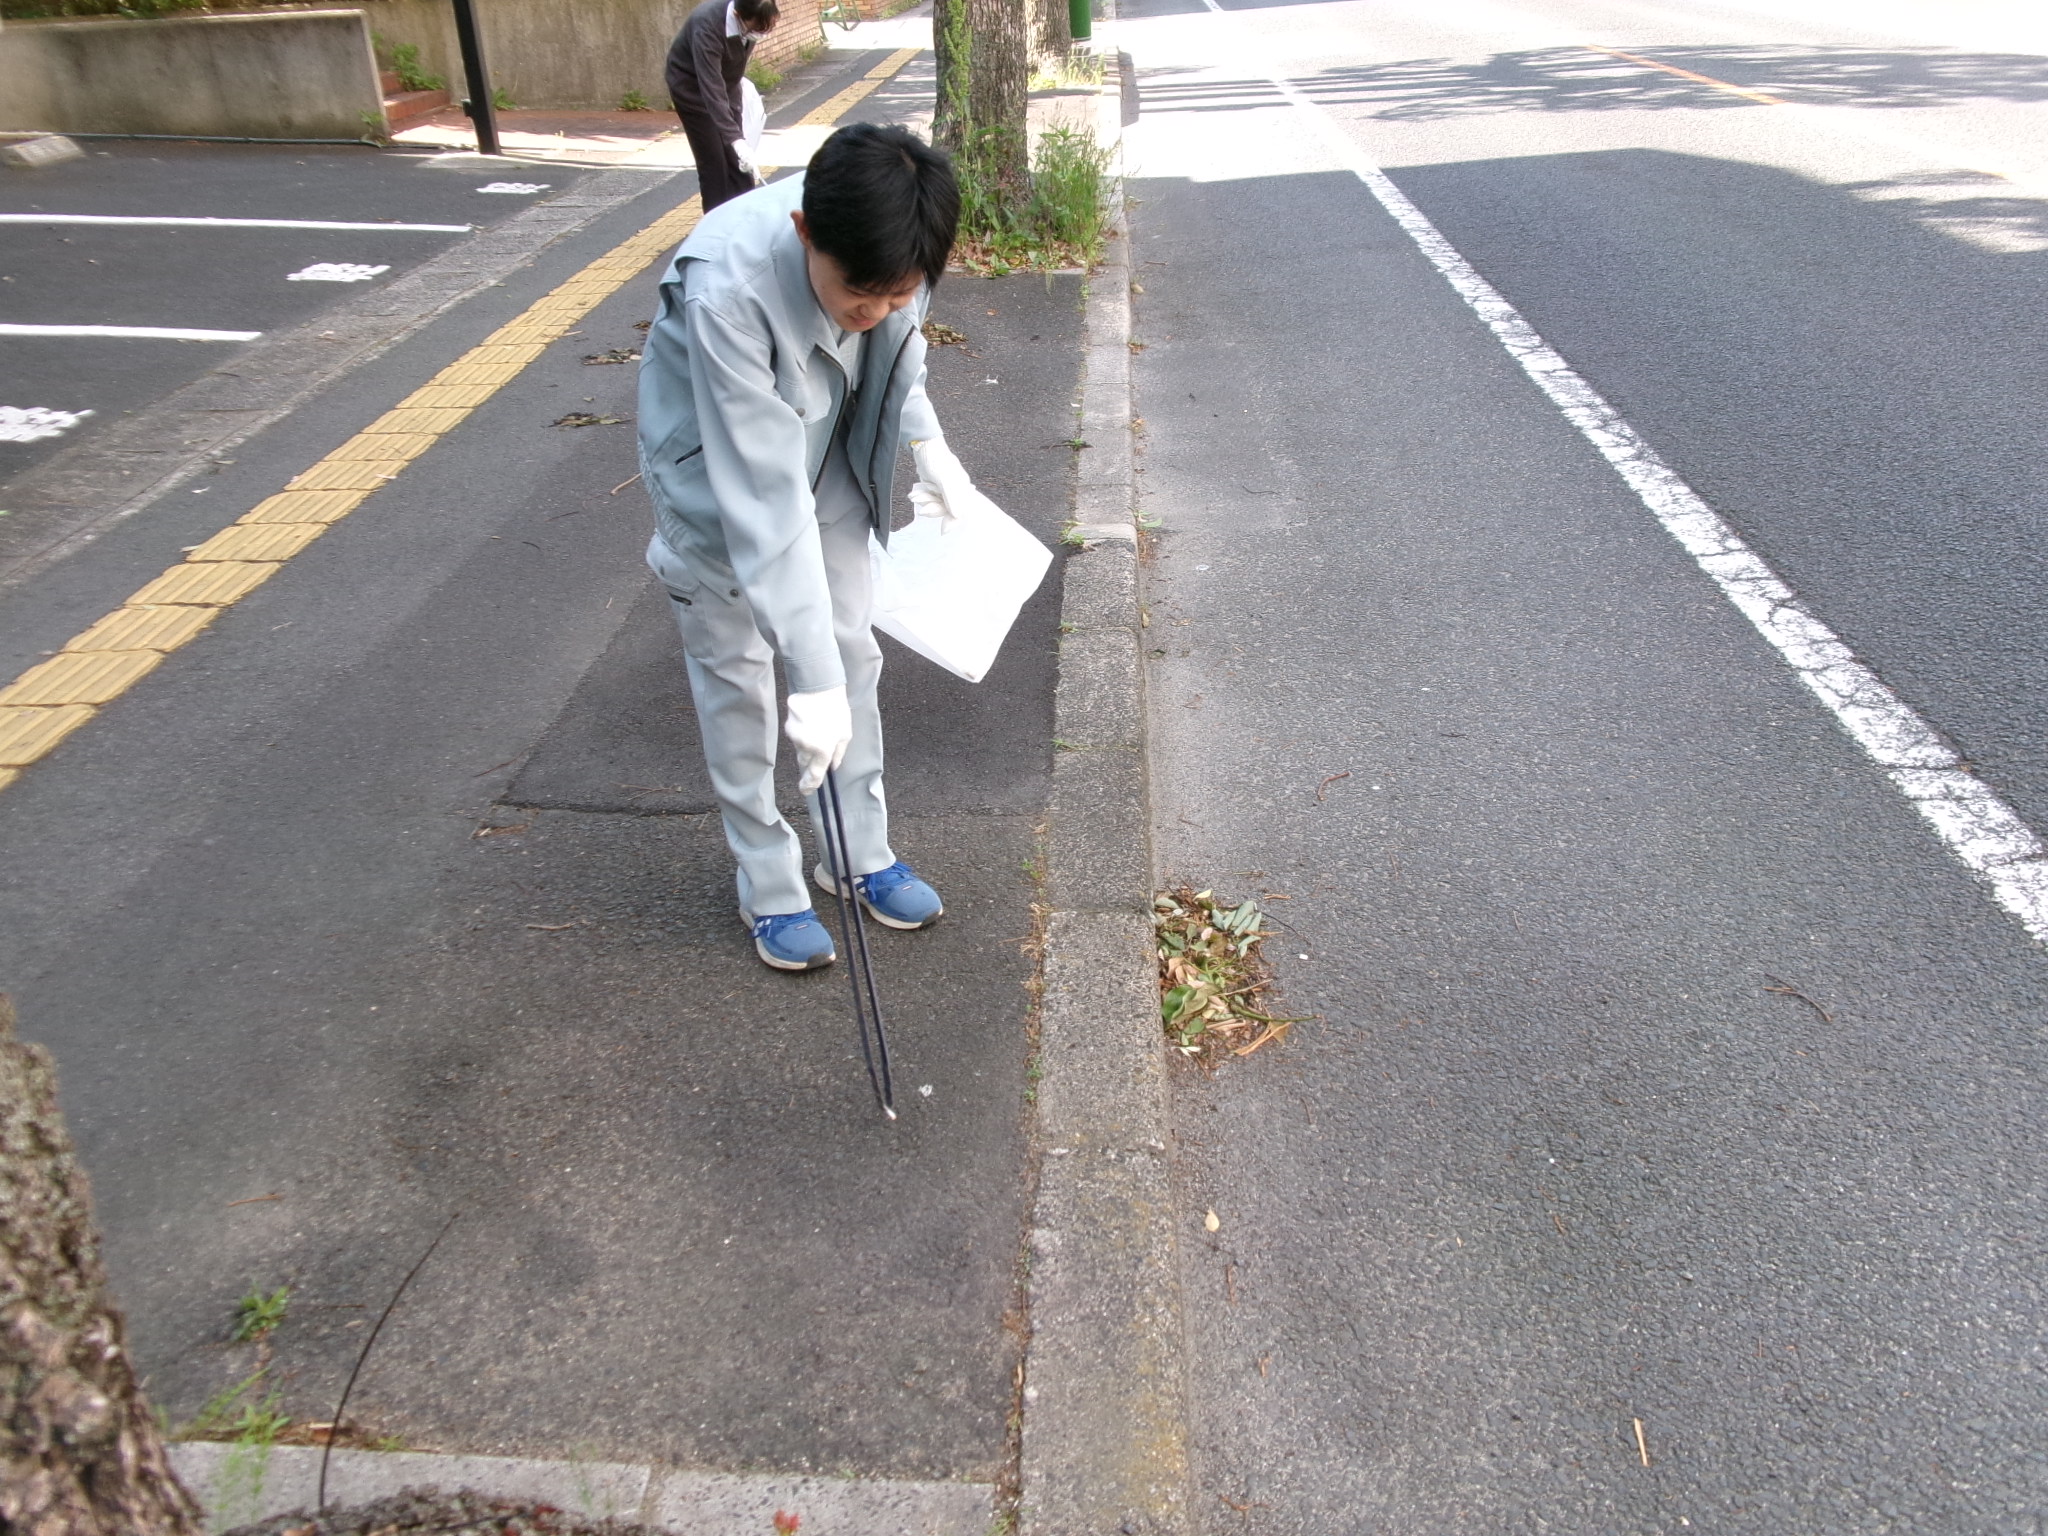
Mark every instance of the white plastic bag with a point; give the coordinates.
(951, 593)
(753, 118)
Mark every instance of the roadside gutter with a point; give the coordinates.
(1104, 1420)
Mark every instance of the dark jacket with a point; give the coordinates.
(705, 68)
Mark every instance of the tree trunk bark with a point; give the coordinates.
(1054, 38)
(951, 43)
(80, 1454)
(998, 91)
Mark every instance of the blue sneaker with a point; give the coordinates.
(791, 941)
(894, 897)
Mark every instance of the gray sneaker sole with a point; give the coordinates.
(772, 961)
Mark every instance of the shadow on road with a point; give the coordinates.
(1582, 80)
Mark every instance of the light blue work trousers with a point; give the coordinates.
(732, 679)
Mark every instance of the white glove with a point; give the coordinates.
(744, 155)
(943, 489)
(820, 727)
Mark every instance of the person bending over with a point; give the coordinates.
(782, 375)
(706, 63)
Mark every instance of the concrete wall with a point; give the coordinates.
(570, 53)
(294, 75)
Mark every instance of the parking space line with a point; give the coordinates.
(129, 332)
(49, 701)
(205, 223)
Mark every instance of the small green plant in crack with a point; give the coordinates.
(236, 1411)
(257, 1314)
(259, 1424)
(634, 101)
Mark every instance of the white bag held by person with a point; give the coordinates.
(951, 590)
(753, 118)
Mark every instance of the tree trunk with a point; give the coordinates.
(80, 1454)
(998, 91)
(950, 42)
(1054, 38)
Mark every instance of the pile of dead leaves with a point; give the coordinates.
(1211, 976)
(427, 1512)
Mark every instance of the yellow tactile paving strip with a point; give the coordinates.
(54, 698)
(829, 111)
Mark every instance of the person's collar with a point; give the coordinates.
(801, 298)
(732, 20)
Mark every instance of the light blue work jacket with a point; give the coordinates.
(740, 394)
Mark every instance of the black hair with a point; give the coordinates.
(883, 204)
(757, 15)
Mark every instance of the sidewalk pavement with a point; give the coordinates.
(395, 895)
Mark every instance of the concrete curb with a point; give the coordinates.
(1104, 1425)
(242, 1484)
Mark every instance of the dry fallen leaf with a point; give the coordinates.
(1210, 1221)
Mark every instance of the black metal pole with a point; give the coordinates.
(479, 106)
(860, 964)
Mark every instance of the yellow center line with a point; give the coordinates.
(1686, 74)
(52, 699)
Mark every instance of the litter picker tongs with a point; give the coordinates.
(853, 929)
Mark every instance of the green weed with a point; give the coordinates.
(405, 63)
(1077, 71)
(634, 101)
(257, 1314)
(223, 1414)
(1058, 221)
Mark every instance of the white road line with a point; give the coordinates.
(336, 272)
(126, 219)
(129, 332)
(31, 424)
(1978, 827)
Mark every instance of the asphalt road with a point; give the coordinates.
(396, 895)
(1665, 1155)
(235, 278)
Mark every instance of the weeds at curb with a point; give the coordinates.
(1211, 976)
(1061, 223)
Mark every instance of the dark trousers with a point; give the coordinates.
(719, 177)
